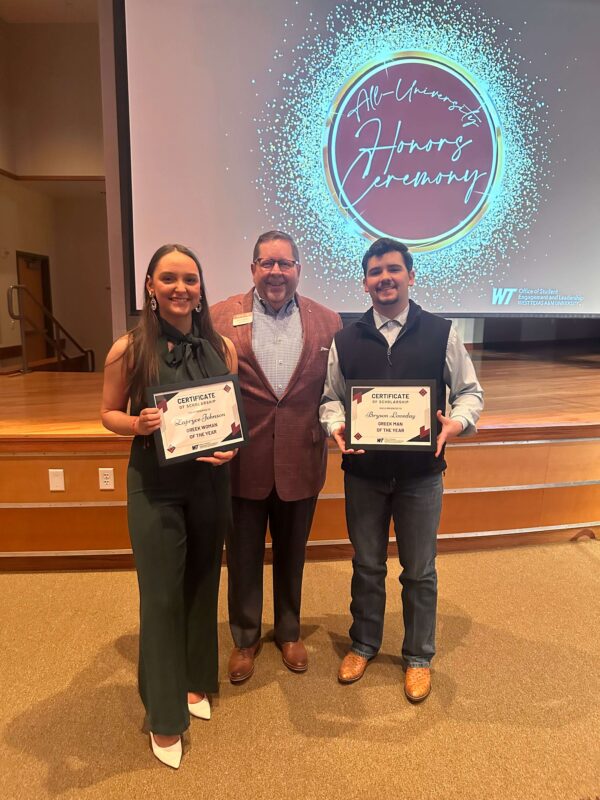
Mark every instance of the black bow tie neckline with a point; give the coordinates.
(188, 349)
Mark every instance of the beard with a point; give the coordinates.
(388, 301)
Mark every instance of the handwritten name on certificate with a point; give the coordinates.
(390, 415)
(198, 418)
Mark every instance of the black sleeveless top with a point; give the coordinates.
(190, 358)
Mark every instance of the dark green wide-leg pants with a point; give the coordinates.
(178, 517)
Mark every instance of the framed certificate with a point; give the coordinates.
(198, 417)
(389, 415)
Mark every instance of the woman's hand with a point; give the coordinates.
(219, 457)
(147, 422)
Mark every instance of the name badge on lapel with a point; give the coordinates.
(242, 319)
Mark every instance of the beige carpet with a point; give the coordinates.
(514, 712)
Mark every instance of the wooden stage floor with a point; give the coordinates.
(530, 475)
(547, 393)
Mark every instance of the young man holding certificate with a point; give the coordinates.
(384, 403)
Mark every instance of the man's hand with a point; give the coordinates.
(450, 429)
(338, 435)
(219, 457)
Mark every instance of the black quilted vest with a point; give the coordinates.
(419, 353)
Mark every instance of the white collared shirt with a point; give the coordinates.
(277, 340)
(390, 328)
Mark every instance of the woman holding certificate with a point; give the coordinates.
(178, 514)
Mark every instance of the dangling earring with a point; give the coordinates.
(199, 306)
(153, 303)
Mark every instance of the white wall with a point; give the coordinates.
(56, 109)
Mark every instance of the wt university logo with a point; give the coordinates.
(502, 296)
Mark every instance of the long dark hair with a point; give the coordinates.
(142, 350)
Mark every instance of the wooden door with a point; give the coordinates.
(33, 271)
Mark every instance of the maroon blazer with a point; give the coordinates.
(287, 444)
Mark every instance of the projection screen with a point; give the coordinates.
(468, 131)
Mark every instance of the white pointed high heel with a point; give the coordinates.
(201, 709)
(171, 755)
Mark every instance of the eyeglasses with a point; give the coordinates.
(285, 265)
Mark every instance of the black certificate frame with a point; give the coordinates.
(395, 384)
(173, 388)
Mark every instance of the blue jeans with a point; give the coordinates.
(415, 505)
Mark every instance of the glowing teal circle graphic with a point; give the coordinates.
(424, 94)
(292, 183)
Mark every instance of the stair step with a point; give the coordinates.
(74, 364)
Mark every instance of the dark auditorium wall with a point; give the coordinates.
(51, 127)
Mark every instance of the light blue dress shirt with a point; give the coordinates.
(276, 340)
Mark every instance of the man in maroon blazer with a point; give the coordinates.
(282, 341)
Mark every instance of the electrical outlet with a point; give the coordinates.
(106, 477)
(56, 479)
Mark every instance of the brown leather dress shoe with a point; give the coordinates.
(417, 683)
(294, 655)
(241, 662)
(352, 667)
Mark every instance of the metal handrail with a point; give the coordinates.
(59, 329)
